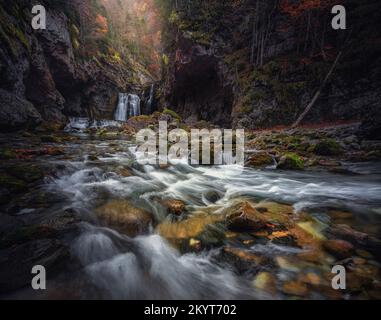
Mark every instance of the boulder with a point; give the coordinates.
(124, 217)
(260, 159)
(174, 206)
(243, 217)
(327, 147)
(16, 113)
(291, 161)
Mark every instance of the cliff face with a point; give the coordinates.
(64, 70)
(259, 63)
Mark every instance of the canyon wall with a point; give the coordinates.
(72, 68)
(259, 63)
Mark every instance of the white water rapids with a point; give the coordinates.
(147, 267)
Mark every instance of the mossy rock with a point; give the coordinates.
(327, 147)
(7, 154)
(172, 113)
(12, 184)
(261, 159)
(291, 161)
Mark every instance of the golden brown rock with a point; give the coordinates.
(124, 217)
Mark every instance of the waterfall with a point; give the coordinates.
(150, 100)
(128, 106)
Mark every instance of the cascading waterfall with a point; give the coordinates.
(150, 100)
(128, 106)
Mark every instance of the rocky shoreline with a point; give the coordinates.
(37, 225)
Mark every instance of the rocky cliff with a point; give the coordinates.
(71, 68)
(257, 64)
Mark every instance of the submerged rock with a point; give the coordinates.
(242, 261)
(191, 227)
(213, 196)
(265, 281)
(339, 248)
(295, 288)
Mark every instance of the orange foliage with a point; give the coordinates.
(296, 9)
(102, 25)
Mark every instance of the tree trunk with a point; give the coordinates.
(317, 94)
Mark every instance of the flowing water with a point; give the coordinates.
(81, 124)
(149, 266)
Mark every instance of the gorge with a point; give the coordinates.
(75, 199)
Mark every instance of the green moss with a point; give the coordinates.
(21, 37)
(172, 113)
(165, 59)
(327, 147)
(74, 36)
(174, 18)
(291, 161)
(11, 33)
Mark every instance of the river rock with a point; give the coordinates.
(290, 161)
(339, 248)
(213, 196)
(192, 227)
(176, 207)
(265, 281)
(260, 159)
(124, 217)
(243, 217)
(295, 288)
(242, 261)
(327, 147)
